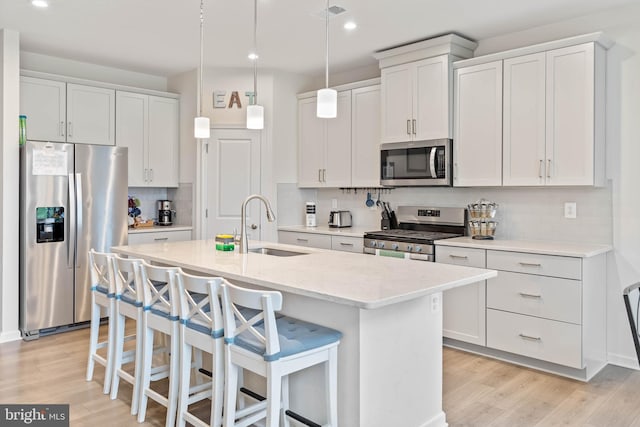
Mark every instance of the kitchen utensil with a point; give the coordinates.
(339, 219)
(369, 202)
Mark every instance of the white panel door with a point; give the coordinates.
(397, 103)
(164, 147)
(478, 126)
(338, 145)
(131, 131)
(44, 104)
(91, 115)
(365, 136)
(311, 144)
(232, 172)
(524, 121)
(570, 115)
(431, 99)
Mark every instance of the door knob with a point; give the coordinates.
(253, 226)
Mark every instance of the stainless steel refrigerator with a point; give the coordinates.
(73, 197)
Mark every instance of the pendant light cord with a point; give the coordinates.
(255, 52)
(326, 78)
(201, 55)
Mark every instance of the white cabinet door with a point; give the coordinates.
(478, 125)
(311, 147)
(337, 168)
(132, 123)
(163, 141)
(44, 104)
(464, 307)
(90, 115)
(524, 121)
(570, 115)
(397, 103)
(431, 95)
(365, 137)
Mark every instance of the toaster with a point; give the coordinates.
(340, 219)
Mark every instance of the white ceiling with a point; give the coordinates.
(161, 37)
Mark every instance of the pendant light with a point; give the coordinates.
(255, 112)
(327, 107)
(201, 126)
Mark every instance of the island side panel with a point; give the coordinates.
(401, 365)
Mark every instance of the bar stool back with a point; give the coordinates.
(102, 297)
(274, 348)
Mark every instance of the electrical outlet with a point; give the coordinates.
(570, 210)
(435, 303)
(334, 204)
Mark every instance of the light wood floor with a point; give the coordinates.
(478, 391)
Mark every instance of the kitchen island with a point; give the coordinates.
(389, 311)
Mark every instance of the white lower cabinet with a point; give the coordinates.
(543, 311)
(321, 241)
(464, 307)
(159, 236)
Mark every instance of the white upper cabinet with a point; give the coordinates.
(44, 102)
(91, 115)
(365, 136)
(149, 127)
(575, 115)
(66, 112)
(324, 145)
(416, 100)
(524, 120)
(478, 125)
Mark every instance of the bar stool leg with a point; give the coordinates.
(285, 401)
(274, 394)
(230, 393)
(331, 374)
(93, 339)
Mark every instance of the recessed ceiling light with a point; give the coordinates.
(40, 3)
(350, 25)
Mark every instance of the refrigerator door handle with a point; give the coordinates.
(80, 230)
(71, 238)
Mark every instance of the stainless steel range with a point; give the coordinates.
(418, 228)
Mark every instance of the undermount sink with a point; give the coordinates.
(275, 252)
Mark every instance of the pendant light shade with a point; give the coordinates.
(201, 125)
(255, 112)
(255, 117)
(327, 107)
(327, 100)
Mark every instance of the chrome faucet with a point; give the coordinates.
(243, 219)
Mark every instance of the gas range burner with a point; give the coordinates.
(402, 235)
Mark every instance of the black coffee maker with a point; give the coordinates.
(165, 212)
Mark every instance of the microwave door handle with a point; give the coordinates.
(432, 162)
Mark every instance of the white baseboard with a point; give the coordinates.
(624, 361)
(10, 336)
(439, 420)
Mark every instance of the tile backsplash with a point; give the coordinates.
(523, 213)
(182, 198)
(148, 198)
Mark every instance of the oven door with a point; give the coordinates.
(421, 163)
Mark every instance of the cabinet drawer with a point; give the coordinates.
(159, 237)
(544, 265)
(461, 256)
(543, 339)
(347, 244)
(548, 297)
(322, 241)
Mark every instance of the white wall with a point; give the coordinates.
(9, 170)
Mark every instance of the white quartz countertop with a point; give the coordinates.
(325, 229)
(157, 228)
(359, 280)
(581, 250)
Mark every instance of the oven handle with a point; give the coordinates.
(432, 162)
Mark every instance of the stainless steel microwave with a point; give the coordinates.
(419, 163)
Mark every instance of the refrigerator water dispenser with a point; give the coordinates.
(49, 224)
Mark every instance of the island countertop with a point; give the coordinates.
(358, 280)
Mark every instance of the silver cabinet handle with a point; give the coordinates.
(70, 129)
(526, 295)
(413, 126)
(319, 175)
(458, 256)
(408, 127)
(151, 175)
(548, 168)
(529, 337)
(530, 264)
(324, 175)
(302, 240)
(146, 175)
(61, 128)
(540, 168)
(346, 244)
(161, 238)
